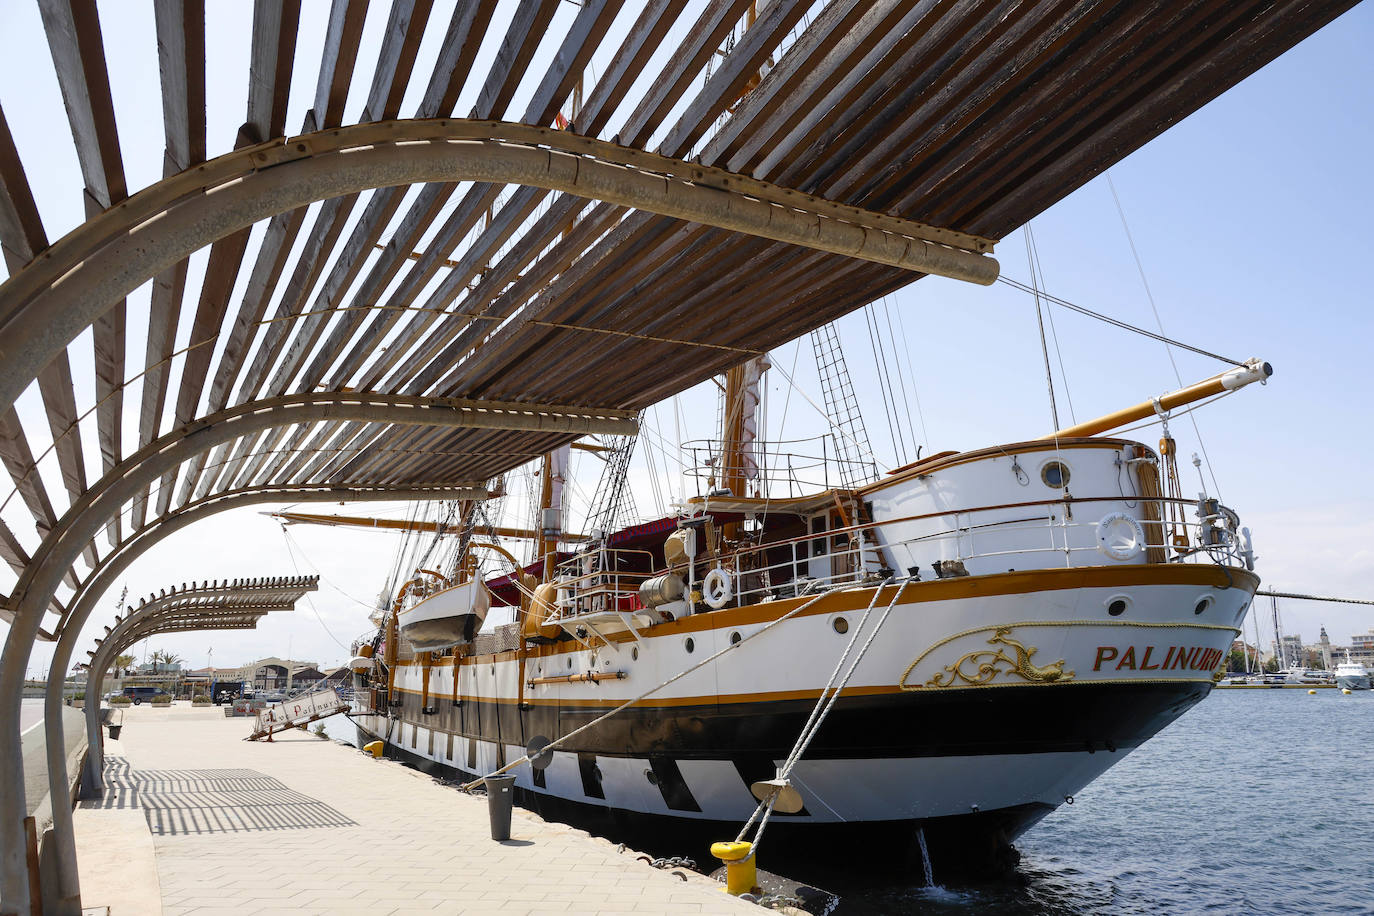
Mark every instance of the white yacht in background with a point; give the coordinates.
(1311, 677)
(1352, 675)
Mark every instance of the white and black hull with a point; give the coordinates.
(984, 703)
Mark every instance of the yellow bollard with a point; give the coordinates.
(740, 875)
(374, 748)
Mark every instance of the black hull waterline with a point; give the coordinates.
(1106, 719)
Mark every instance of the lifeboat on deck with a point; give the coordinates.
(446, 618)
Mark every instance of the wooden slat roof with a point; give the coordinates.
(974, 116)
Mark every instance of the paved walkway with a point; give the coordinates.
(309, 826)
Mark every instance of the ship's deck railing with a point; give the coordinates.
(1042, 534)
(595, 580)
(969, 538)
(781, 470)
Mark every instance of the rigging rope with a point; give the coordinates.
(1121, 212)
(901, 377)
(1038, 275)
(651, 691)
(291, 554)
(915, 392)
(824, 704)
(829, 422)
(884, 386)
(1040, 321)
(1116, 322)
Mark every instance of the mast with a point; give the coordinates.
(400, 524)
(739, 432)
(1254, 370)
(1278, 637)
(551, 479)
(732, 434)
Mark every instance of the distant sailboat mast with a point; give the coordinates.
(1279, 653)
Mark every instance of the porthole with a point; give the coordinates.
(1117, 608)
(634, 653)
(735, 637)
(689, 644)
(569, 662)
(1202, 605)
(1055, 474)
(840, 624)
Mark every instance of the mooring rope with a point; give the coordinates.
(822, 709)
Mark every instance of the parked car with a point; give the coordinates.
(139, 694)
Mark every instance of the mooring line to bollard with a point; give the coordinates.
(822, 709)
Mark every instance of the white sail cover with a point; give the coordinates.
(753, 378)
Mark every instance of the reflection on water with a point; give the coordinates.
(1256, 801)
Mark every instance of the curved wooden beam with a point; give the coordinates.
(71, 284)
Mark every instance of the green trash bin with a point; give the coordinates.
(500, 799)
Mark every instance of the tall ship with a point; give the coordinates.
(946, 652)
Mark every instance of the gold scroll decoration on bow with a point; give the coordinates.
(981, 667)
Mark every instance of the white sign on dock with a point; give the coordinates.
(299, 711)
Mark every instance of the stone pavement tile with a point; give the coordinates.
(412, 843)
(571, 894)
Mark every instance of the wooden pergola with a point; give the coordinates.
(592, 206)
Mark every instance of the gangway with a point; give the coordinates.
(296, 712)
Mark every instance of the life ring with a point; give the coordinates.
(1112, 533)
(717, 588)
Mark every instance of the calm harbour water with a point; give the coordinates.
(1255, 802)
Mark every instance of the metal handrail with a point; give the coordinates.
(776, 469)
(605, 581)
(1226, 545)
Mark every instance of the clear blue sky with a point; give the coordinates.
(1251, 220)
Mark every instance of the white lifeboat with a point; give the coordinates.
(446, 618)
